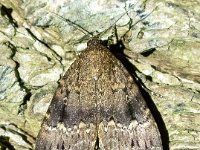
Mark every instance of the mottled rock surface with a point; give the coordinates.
(37, 46)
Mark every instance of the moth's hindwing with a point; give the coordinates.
(98, 106)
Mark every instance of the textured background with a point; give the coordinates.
(37, 46)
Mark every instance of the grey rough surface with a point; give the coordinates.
(37, 47)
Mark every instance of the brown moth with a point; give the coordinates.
(98, 106)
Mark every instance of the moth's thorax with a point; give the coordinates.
(98, 61)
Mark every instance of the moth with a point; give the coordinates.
(98, 106)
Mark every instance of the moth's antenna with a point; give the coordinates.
(98, 35)
(83, 30)
(86, 31)
(139, 21)
(73, 23)
(114, 24)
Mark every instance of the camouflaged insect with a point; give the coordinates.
(98, 106)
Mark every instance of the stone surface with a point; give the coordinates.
(37, 46)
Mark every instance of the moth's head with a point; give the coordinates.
(94, 42)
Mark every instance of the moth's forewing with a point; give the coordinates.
(98, 106)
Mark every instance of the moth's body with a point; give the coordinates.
(98, 106)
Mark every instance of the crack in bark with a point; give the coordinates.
(58, 57)
(19, 79)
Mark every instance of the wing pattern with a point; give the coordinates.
(98, 106)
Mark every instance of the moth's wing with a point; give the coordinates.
(98, 106)
(69, 123)
(130, 125)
